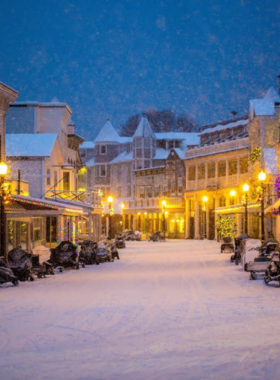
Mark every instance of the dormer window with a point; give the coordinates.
(103, 149)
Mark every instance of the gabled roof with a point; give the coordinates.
(30, 145)
(123, 157)
(90, 162)
(262, 107)
(107, 134)
(144, 129)
(87, 145)
(272, 95)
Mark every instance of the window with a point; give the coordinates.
(161, 144)
(102, 171)
(221, 169)
(138, 142)
(147, 164)
(173, 187)
(211, 170)
(55, 178)
(66, 181)
(147, 153)
(103, 149)
(48, 176)
(232, 167)
(37, 229)
(157, 191)
(201, 171)
(165, 190)
(191, 173)
(138, 153)
(170, 144)
(177, 144)
(147, 143)
(138, 164)
(222, 201)
(149, 191)
(141, 192)
(180, 185)
(243, 165)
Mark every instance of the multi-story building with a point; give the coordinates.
(43, 151)
(139, 172)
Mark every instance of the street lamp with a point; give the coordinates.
(163, 207)
(205, 200)
(110, 202)
(262, 178)
(246, 188)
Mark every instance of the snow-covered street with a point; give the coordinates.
(174, 310)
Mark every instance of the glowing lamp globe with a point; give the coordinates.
(262, 176)
(205, 198)
(246, 187)
(3, 168)
(110, 199)
(163, 203)
(232, 193)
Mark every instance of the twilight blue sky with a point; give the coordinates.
(113, 58)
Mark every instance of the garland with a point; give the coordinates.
(255, 155)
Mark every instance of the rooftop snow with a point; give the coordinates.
(123, 157)
(221, 127)
(144, 129)
(87, 145)
(270, 160)
(90, 163)
(161, 154)
(262, 107)
(30, 145)
(272, 95)
(107, 134)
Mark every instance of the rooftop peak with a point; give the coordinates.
(144, 128)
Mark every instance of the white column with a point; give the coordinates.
(196, 219)
(89, 226)
(187, 219)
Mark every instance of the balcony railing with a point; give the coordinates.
(217, 148)
(91, 198)
(152, 203)
(219, 182)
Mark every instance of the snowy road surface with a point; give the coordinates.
(174, 310)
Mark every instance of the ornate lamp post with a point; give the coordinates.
(163, 207)
(110, 203)
(262, 178)
(205, 200)
(246, 188)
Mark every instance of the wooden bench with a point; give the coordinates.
(256, 268)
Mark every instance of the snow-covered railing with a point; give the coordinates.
(217, 148)
(151, 203)
(92, 198)
(219, 182)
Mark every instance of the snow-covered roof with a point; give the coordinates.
(180, 152)
(123, 157)
(90, 162)
(272, 95)
(262, 107)
(87, 145)
(107, 133)
(30, 145)
(270, 160)
(144, 128)
(42, 104)
(221, 127)
(161, 154)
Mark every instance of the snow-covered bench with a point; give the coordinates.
(256, 268)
